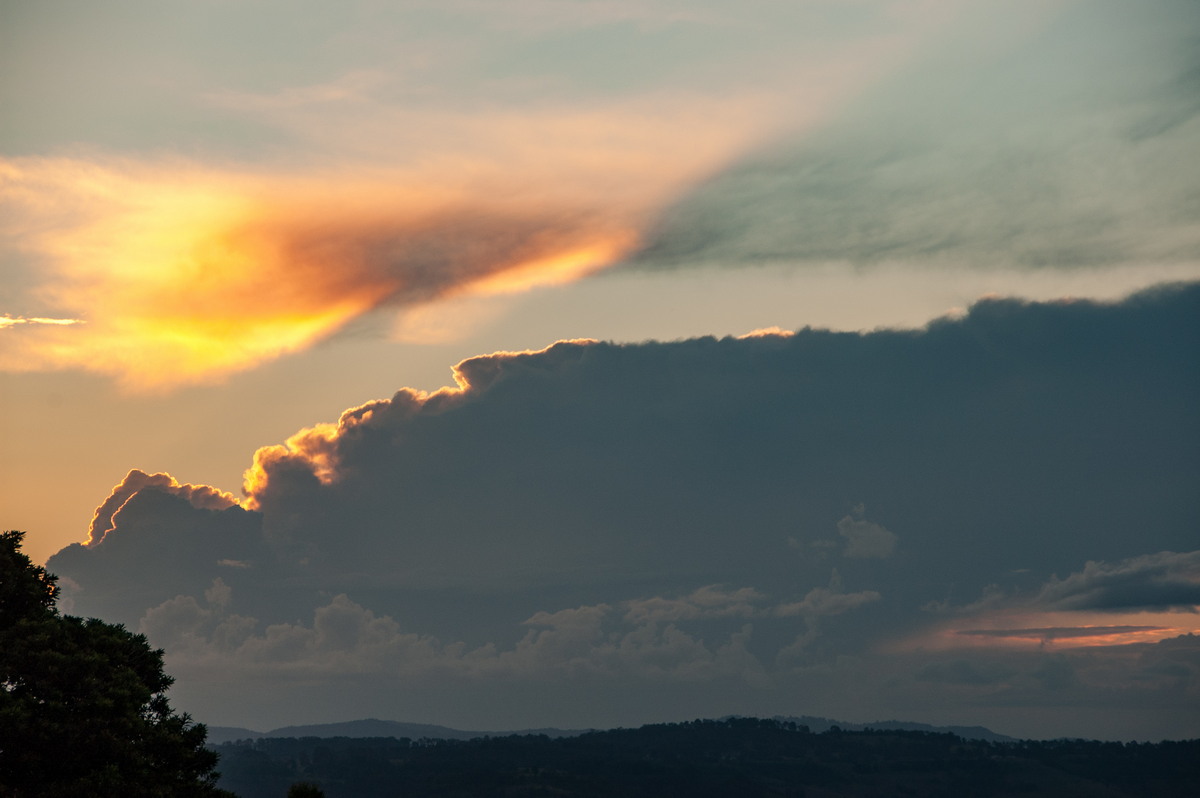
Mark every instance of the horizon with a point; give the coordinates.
(831, 723)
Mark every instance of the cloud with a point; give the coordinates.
(830, 600)
(1147, 598)
(384, 161)
(980, 155)
(7, 321)
(346, 638)
(1164, 581)
(165, 539)
(593, 509)
(866, 539)
(1056, 632)
(706, 602)
(367, 202)
(198, 496)
(203, 272)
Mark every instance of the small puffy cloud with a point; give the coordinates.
(817, 605)
(345, 638)
(823, 601)
(707, 602)
(183, 623)
(861, 539)
(865, 538)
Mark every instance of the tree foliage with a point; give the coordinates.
(83, 706)
(744, 757)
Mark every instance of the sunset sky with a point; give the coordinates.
(593, 363)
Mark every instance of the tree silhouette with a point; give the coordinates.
(83, 706)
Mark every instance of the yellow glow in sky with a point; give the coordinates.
(185, 275)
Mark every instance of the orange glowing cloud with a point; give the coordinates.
(184, 274)
(1092, 635)
(1143, 599)
(1009, 629)
(315, 450)
(10, 321)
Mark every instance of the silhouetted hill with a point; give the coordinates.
(737, 756)
(218, 735)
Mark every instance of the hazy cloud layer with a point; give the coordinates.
(1072, 148)
(806, 517)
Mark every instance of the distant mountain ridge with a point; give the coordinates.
(373, 727)
(818, 724)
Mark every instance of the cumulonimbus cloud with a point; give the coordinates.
(556, 498)
(198, 496)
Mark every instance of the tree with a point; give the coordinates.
(305, 789)
(83, 706)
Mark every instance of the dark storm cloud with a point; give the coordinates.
(199, 496)
(161, 544)
(961, 671)
(664, 516)
(1013, 434)
(1075, 150)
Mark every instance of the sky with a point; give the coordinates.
(596, 363)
